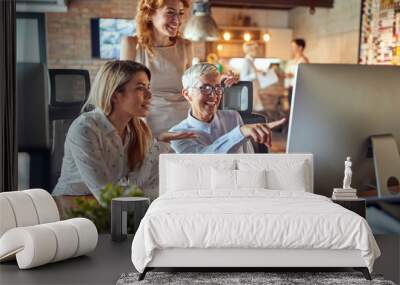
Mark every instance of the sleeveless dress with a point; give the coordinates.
(168, 106)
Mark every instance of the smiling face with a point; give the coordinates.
(168, 19)
(135, 96)
(204, 106)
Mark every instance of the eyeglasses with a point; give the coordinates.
(208, 89)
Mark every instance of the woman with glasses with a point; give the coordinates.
(112, 143)
(159, 46)
(218, 131)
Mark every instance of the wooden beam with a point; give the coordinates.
(271, 4)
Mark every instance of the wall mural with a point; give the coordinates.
(380, 32)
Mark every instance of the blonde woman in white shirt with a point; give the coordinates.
(113, 142)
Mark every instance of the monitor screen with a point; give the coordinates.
(107, 34)
(336, 108)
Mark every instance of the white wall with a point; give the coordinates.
(264, 18)
(332, 35)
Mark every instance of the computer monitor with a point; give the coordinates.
(335, 109)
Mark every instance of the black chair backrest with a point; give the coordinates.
(33, 92)
(32, 107)
(239, 97)
(69, 90)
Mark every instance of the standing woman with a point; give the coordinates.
(249, 72)
(159, 46)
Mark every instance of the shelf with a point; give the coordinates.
(240, 41)
(241, 28)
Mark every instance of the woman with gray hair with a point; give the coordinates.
(218, 131)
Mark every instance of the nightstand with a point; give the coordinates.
(120, 207)
(358, 206)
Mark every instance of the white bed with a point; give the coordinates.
(202, 219)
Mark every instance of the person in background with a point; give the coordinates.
(159, 46)
(218, 131)
(298, 47)
(249, 72)
(112, 142)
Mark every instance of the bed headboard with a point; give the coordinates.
(210, 159)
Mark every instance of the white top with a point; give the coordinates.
(94, 155)
(248, 71)
(167, 65)
(291, 67)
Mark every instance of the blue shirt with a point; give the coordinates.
(221, 135)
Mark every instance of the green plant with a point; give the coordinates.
(100, 213)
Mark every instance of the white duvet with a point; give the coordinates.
(253, 218)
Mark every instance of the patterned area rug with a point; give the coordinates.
(242, 278)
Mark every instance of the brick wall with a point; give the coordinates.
(69, 36)
(332, 35)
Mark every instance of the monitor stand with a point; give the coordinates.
(387, 164)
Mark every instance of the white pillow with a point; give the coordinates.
(223, 179)
(292, 179)
(226, 179)
(281, 174)
(184, 175)
(251, 178)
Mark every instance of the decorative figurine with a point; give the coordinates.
(347, 192)
(347, 174)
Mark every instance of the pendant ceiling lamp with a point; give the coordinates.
(201, 26)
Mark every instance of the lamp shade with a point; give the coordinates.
(201, 26)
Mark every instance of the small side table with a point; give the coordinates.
(120, 207)
(358, 206)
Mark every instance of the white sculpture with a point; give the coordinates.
(347, 174)
(347, 192)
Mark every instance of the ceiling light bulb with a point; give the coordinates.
(266, 37)
(227, 36)
(220, 47)
(247, 37)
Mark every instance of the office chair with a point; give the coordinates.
(69, 90)
(239, 97)
(32, 125)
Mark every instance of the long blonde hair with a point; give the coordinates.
(112, 77)
(144, 24)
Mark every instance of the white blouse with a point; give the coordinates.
(95, 155)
